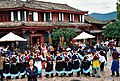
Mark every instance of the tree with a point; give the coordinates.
(67, 33)
(118, 10)
(112, 30)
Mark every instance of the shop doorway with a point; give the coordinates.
(36, 39)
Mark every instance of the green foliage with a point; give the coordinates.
(118, 10)
(112, 30)
(67, 33)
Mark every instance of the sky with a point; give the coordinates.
(92, 6)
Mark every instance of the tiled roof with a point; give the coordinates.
(90, 19)
(41, 24)
(10, 4)
(36, 5)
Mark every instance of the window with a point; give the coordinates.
(71, 17)
(15, 15)
(81, 18)
(18, 16)
(22, 16)
(61, 17)
(48, 16)
(35, 16)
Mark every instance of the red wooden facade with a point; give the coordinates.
(36, 27)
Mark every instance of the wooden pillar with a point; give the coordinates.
(42, 39)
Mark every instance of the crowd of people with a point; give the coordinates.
(79, 58)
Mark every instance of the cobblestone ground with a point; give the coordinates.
(104, 76)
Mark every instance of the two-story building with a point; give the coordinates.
(35, 20)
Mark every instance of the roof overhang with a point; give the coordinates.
(40, 10)
(96, 31)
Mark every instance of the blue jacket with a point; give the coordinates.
(32, 74)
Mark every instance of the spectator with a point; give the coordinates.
(1, 66)
(32, 71)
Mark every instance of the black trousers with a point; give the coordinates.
(102, 66)
(117, 73)
(1, 73)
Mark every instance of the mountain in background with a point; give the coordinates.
(103, 17)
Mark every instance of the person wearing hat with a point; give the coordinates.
(76, 58)
(1, 66)
(96, 63)
(26, 58)
(85, 52)
(49, 65)
(115, 63)
(80, 50)
(38, 62)
(13, 60)
(68, 63)
(20, 64)
(59, 68)
(6, 71)
(86, 66)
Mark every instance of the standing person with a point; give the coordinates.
(38, 62)
(6, 70)
(31, 70)
(111, 46)
(86, 66)
(26, 57)
(115, 63)
(1, 66)
(14, 72)
(20, 64)
(68, 63)
(76, 57)
(59, 58)
(60, 47)
(44, 50)
(102, 59)
(96, 63)
(49, 65)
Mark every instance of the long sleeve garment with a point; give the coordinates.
(32, 74)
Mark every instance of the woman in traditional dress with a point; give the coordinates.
(86, 66)
(31, 70)
(14, 69)
(115, 63)
(6, 68)
(68, 64)
(20, 65)
(59, 58)
(49, 65)
(38, 62)
(76, 58)
(26, 57)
